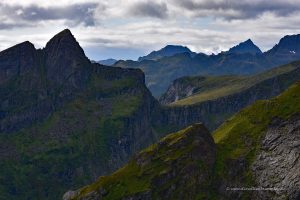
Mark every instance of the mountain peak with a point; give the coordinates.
(289, 45)
(167, 51)
(64, 57)
(245, 47)
(249, 41)
(64, 35)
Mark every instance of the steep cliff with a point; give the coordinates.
(197, 89)
(255, 156)
(259, 148)
(178, 167)
(213, 112)
(65, 121)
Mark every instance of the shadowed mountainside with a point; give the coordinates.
(64, 121)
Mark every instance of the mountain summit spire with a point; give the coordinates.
(245, 47)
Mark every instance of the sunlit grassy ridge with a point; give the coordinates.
(240, 136)
(214, 87)
(135, 178)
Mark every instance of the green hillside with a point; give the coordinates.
(148, 174)
(241, 136)
(214, 87)
(74, 142)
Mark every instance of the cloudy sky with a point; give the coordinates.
(127, 29)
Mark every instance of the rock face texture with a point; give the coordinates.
(277, 165)
(258, 150)
(178, 167)
(181, 88)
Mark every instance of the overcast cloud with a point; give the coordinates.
(128, 29)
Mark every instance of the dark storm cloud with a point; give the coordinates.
(241, 9)
(149, 9)
(73, 14)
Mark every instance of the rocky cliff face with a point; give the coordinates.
(258, 149)
(213, 112)
(277, 164)
(181, 88)
(65, 121)
(36, 82)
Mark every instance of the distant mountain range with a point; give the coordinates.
(245, 58)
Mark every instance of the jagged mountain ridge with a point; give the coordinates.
(245, 151)
(161, 73)
(245, 47)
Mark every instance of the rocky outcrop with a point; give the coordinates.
(178, 167)
(180, 88)
(276, 167)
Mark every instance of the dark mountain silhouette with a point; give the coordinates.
(245, 47)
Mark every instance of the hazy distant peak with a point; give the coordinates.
(245, 47)
(167, 51)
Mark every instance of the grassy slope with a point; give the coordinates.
(240, 136)
(70, 139)
(216, 87)
(133, 178)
